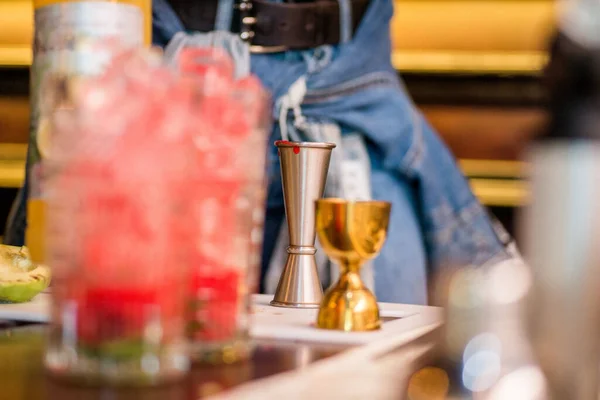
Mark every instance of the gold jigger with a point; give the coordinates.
(350, 234)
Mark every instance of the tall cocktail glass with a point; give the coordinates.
(116, 228)
(228, 192)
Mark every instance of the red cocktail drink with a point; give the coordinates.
(228, 191)
(117, 223)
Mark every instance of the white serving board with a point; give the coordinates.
(278, 323)
(36, 310)
(298, 324)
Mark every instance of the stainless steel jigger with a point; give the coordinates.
(304, 167)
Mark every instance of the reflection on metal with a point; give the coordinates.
(351, 233)
(304, 169)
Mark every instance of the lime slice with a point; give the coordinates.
(20, 279)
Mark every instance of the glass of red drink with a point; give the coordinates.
(229, 192)
(116, 223)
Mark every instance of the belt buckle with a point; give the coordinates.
(247, 32)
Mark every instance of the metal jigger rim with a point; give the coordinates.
(337, 200)
(313, 145)
(282, 304)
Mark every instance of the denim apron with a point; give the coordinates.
(436, 221)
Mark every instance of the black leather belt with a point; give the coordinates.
(271, 27)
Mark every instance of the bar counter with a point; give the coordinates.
(22, 375)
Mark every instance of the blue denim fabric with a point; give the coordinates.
(436, 221)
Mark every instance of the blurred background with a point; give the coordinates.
(472, 66)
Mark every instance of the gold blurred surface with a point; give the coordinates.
(12, 164)
(428, 384)
(491, 186)
(494, 168)
(427, 35)
(350, 234)
(16, 33)
(35, 239)
(471, 35)
(501, 193)
(14, 118)
(16, 20)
